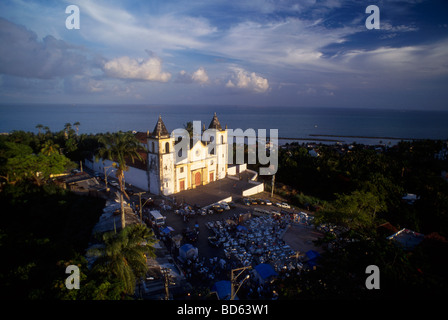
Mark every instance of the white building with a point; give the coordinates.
(168, 167)
(173, 169)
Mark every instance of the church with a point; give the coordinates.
(172, 162)
(171, 169)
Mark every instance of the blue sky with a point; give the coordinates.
(247, 52)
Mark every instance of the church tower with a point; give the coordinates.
(161, 160)
(221, 147)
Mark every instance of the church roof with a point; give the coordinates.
(160, 129)
(215, 123)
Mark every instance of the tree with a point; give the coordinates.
(67, 128)
(120, 147)
(49, 148)
(39, 127)
(123, 255)
(354, 211)
(189, 127)
(77, 124)
(47, 130)
(37, 167)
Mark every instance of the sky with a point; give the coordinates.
(306, 53)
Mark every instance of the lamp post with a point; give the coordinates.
(140, 206)
(105, 173)
(233, 281)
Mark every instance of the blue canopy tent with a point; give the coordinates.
(167, 230)
(265, 272)
(223, 289)
(312, 256)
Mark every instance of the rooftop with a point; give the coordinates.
(160, 129)
(214, 124)
(407, 238)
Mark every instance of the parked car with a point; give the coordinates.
(231, 204)
(268, 202)
(282, 205)
(261, 201)
(285, 205)
(217, 208)
(253, 201)
(224, 205)
(246, 202)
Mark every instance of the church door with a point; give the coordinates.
(211, 176)
(197, 178)
(182, 185)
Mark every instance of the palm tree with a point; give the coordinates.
(67, 128)
(120, 147)
(123, 255)
(47, 130)
(189, 127)
(39, 127)
(77, 124)
(49, 147)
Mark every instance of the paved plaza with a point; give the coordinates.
(216, 191)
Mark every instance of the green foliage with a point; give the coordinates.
(354, 211)
(340, 178)
(40, 227)
(37, 167)
(123, 255)
(120, 147)
(366, 189)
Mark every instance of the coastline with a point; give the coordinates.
(360, 137)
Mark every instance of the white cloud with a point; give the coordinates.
(423, 60)
(119, 27)
(242, 79)
(143, 69)
(200, 76)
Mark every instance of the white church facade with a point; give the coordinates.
(172, 164)
(172, 169)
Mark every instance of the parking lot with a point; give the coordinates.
(242, 236)
(250, 232)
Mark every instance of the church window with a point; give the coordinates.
(167, 147)
(222, 139)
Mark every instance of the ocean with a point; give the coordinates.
(326, 125)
